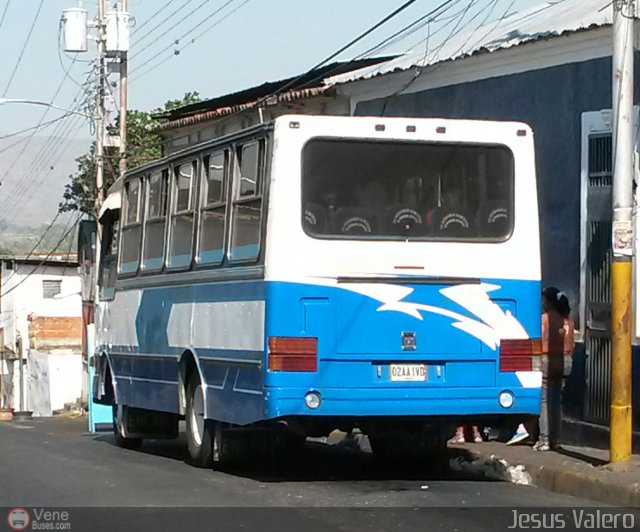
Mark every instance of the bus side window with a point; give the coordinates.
(181, 230)
(155, 218)
(131, 227)
(247, 206)
(109, 254)
(211, 237)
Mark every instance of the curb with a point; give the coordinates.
(577, 484)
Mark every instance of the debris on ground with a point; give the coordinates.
(491, 468)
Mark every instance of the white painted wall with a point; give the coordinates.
(54, 379)
(60, 377)
(24, 297)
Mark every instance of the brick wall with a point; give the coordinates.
(47, 333)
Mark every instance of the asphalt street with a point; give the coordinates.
(55, 462)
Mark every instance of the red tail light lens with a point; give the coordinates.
(518, 355)
(293, 354)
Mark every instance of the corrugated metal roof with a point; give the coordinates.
(545, 20)
(301, 86)
(285, 97)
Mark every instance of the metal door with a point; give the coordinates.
(597, 178)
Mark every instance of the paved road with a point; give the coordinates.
(56, 463)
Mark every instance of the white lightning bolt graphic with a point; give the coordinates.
(493, 323)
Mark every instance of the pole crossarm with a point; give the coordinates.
(46, 104)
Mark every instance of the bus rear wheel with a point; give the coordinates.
(201, 440)
(120, 421)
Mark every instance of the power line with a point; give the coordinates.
(193, 39)
(44, 234)
(161, 23)
(46, 152)
(138, 28)
(410, 29)
(27, 129)
(74, 59)
(4, 12)
(359, 38)
(203, 21)
(460, 15)
(24, 47)
(44, 114)
(431, 16)
(54, 147)
(35, 268)
(329, 58)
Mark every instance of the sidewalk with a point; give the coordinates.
(578, 471)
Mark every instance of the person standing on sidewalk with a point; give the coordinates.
(558, 344)
(557, 359)
(460, 435)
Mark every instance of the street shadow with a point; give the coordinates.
(581, 456)
(316, 462)
(321, 462)
(173, 449)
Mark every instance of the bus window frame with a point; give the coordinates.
(203, 206)
(399, 238)
(126, 225)
(164, 173)
(196, 161)
(107, 256)
(260, 194)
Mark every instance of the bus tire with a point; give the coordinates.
(120, 414)
(200, 431)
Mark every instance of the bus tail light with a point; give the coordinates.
(520, 355)
(292, 354)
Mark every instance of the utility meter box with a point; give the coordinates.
(74, 29)
(117, 29)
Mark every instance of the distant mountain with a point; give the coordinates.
(33, 176)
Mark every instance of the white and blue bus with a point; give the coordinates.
(322, 272)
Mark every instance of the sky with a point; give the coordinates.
(246, 43)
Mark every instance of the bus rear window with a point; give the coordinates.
(398, 190)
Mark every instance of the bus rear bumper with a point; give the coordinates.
(399, 401)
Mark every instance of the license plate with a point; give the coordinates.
(408, 372)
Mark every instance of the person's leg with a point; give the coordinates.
(555, 411)
(543, 438)
(519, 435)
(477, 437)
(458, 436)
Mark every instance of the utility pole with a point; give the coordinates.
(99, 153)
(100, 108)
(622, 233)
(124, 105)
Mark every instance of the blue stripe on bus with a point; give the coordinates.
(355, 337)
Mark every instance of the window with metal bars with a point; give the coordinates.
(51, 288)
(600, 160)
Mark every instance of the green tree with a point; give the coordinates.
(143, 145)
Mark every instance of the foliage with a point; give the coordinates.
(187, 99)
(143, 145)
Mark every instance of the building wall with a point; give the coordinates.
(54, 380)
(58, 316)
(25, 297)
